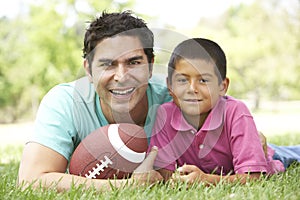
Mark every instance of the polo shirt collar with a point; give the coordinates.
(213, 121)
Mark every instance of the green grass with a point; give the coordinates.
(281, 186)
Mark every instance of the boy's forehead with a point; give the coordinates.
(195, 62)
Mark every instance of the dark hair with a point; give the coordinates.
(199, 48)
(111, 24)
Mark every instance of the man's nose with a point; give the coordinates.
(120, 72)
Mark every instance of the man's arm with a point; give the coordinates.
(42, 166)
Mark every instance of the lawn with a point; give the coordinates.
(281, 186)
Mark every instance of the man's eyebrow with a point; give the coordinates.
(104, 60)
(129, 59)
(135, 58)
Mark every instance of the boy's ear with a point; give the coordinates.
(224, 86)
(170, 88)
(87, 69)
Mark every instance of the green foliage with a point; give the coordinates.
(40, 49)
(261, 41)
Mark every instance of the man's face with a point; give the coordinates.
(120, 73)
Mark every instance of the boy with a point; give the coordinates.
(209, 135)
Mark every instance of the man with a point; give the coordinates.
(118, 59)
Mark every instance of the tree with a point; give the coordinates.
(262, 46)
(41, 48)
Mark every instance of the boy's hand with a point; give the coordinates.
(189, 174)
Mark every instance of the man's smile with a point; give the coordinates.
(122, 91)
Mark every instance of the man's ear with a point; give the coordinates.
(224, 86)
(151, 67)
(88, 70)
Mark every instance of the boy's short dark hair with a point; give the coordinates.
(199, 48)
(112, 24)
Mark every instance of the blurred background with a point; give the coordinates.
(41, 45)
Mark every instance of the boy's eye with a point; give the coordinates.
(181, 80)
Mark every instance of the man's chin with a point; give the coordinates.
(121, 109)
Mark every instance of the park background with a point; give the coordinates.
(40, 46)
(41, 43)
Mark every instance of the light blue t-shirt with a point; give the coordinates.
(70, 111)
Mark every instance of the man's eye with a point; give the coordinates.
(106, 64)
(134, 62)
(203, 80)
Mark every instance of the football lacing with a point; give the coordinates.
(96, 170)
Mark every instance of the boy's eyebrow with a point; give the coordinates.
(183, 74)
(206, 74)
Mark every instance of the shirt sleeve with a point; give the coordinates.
(247, 151)
(54, 126)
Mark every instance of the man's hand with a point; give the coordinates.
(145, 174)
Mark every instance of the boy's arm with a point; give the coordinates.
(192, 174)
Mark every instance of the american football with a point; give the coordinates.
(112, 151)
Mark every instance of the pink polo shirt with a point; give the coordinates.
(228, 141)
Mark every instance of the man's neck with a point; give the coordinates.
(137, 115)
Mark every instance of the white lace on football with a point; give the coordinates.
(96, 170)
(121, 148)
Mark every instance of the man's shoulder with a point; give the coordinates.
(79, 90)
(158, 80)
(158, 88)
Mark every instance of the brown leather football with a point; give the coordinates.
(112, 151)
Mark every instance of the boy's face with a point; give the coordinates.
(195, 88)
(120, 73)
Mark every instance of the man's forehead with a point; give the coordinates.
(119, 47)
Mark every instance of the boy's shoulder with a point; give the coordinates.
(236, 106)
(232, 101)
(168, 105)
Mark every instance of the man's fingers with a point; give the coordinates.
(147, 164)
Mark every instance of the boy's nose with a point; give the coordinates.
(193, 86)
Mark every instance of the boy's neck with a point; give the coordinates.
(197, 121)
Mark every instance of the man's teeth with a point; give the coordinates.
(122, 92)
